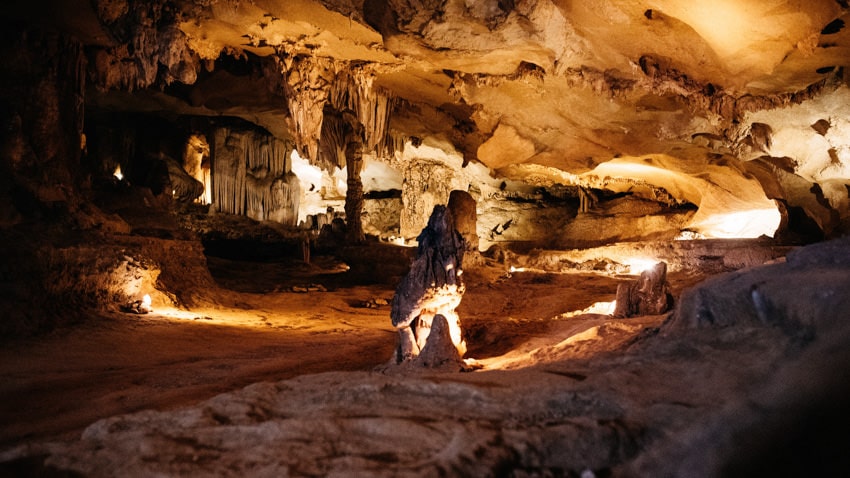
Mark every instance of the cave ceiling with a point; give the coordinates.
(674, 93)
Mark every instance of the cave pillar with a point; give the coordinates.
(354, 194)
(587, 200)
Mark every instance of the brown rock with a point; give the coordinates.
(433, 286)
(440, 351)
(463, 208)
(648, 295)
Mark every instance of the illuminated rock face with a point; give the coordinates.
(253, 176)
(648, 295)
(433, 287)
(656, 101)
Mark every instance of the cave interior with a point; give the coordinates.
(536, 237)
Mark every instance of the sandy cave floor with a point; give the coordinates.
(115, 363)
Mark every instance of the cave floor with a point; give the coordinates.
(115, 363)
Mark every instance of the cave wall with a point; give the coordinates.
(42, 94)
(426, 184)
(382, 216)
(148, 149)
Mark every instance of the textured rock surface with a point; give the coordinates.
(433, 286)
(649, 99)
(569, 124)
(463, 208)
(559, 405)
(648, 295)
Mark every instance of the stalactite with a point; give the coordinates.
(151, 47)
(354, 91)
(228, 172)
(308, 82)
(251, 176)
(333, 142)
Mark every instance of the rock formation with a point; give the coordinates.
(433, 286)
(136, 134)
(252, 176)
(678, 401)
(649, 294)
(440, 351)
(463, 208)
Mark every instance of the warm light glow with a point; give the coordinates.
(689, 236)
(733, 29)
(639, 264)
(173, 313)
(198, 149)
(742, 224)
(318, 187)
(600, 308)
(117, 173)
(730, 204)
(146, 301)
(207, 197)
(455, 332)
(399, 241)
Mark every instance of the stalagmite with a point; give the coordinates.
(439, 350)
(184, 187)
(285, 198)
(433, 286)
(196, 163)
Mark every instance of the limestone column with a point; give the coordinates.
(354, 194)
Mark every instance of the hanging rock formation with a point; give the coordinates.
(433, 286)
(308, 82)
(354, 91)
(150, 49)
(252, 176)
